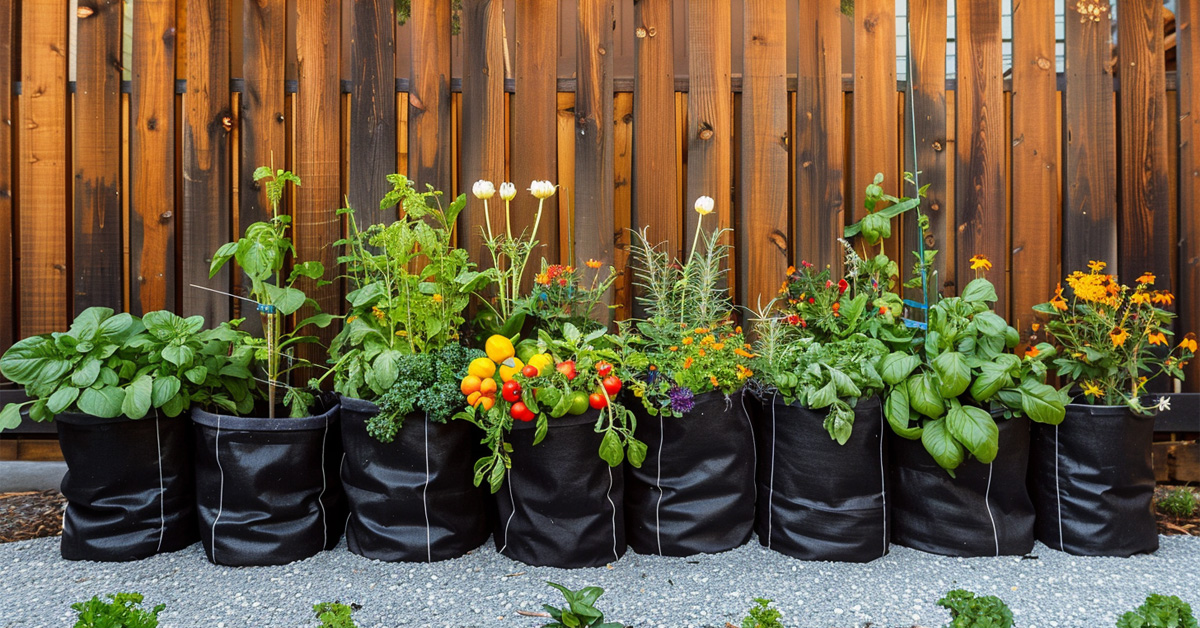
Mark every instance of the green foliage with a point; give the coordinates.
(969, 611)
(1179, 502)
(762, 616)
(580, 611)
(560, 296)
(425, 382)
(676, 295)
(335, 614)
(122, 610)
(1159, 611)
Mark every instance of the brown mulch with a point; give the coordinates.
(30, 515)
(1175, 526)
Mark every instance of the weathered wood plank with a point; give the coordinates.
(981, 214)
(207, 122)
(925, 141)
(482, 147)
(819, 146)
(762, 238)
(152, 282)
(42, 137)
(1187, 37)
(623, 199)
(261, 120)
(1177, 462)
(709, 113)
(565, 101)
(1143, 222)
(8, 287)
(875, 138)
(372, 148)
(96, 135)
(1036, 238)
(534, 123)
(655, 198)
(595, 229)
(1090, 205)
(429, 115)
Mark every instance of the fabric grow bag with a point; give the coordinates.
(560, 505)
(267, 490)
(818, 500)
(695, 492)
(1092, 482)
(984, 511)
(129, 487)
(413, 499)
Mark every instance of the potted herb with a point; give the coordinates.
(684, 361)
(116, 383)
(398, 363)
(266, 483)
(563, 294)
(1092, 480)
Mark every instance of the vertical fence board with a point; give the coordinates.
(1090, 212)
(152, 158)
(980, 215)
(875, 137)
(763, 222)
(207, 122)
(1188, 62)
(1144, 225)
(261, 120)
(96, 250)
(925, 140)
(317, 156)
(429, 96)
(482, 147)
(565, 103)
(534, 126)
(623, 197)
(595, 226)
(655, 198)
(43, 172)
(8, 291)
(1035, 180)
(819, 145)
(710, 112)
(372, 147)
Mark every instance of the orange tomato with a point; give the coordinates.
(488, 387)
(470, 384)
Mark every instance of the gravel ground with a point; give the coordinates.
(485, 589)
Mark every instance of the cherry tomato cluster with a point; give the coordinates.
(610, 385)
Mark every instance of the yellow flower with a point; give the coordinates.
(1146, 278)
(591, 263)
(379, 314)
(673, 348)
(1057, 302)
(1140, 298)
(713, 379)
(402, 333)
(1096, 266)
(351, 319)
(1119, 335)
(688, 340)
(1158, 338)
(1163, 297)
(743, 372)
(437, 298)
(701, 330)
(979, 262)
(743, 353)
(1092, 390)
(718, 346)
(791, 270)
(1035, 326)
(687, 364)
(1189, 342)
(1032, 352)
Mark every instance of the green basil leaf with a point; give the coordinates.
(610, 447)
(823, 397)
(975, 428)
(941, 445)
(102, 402)
(163, 389)
(636, 451)
(897, 366)
(10, 416)
(980, 291)
(896, 408)
(86, 374)
(1042, 403)
(137, 397)
(62, 399)
(954, 376)
(924, 397)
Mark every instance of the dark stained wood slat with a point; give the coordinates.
(207, 122)
(819, 144)
(152, 158)
(709, 112)
(1090, 202)
(261, 119)
(925, 144)
(534, 122)
(980, 213)
(372, 150)
(429, 96)
(762, 226)
(655, 198)
(7, 280)
(1188, 55)
(482, 148)
(1036, 238)
(1144, 224)
(96, 252)
(595, 228)
(42, 137)
(875, 138)
(623, 198)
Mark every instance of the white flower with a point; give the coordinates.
(508, 191)
(542, 189)
(704, 205)
(1164, 404)
(483, 189)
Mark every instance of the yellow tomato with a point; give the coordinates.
(499, 349)
(474, 398)
(488, 387)
(481, 368)
(542, 362)
(487, 402)
(469, 384)
(510, 367)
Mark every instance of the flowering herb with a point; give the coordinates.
(1114, 338)
(562, 294)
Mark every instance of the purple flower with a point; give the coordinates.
(682, 399)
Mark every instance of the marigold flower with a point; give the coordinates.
(689, 340)
(792, 319)
(1092, 390)
(687, 364)
(1189, 342)
(1096, 266)
(1157, 338)
(791, 270)
(713, 380)
(437, 298)
(702, 353)
(673, 348)
(700, 330)
(719, 346)
(743, 353)
(979, 262)
(1035, 326)
(592, 263)
(1032, 352)
(743, 372)
(1162, 297)
(1140, 298)
(1118, 336)
(1146, 278)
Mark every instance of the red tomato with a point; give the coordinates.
(597, 400)
(611, 385)
(603, 369)
(511, 391)
(521, 413)
(529, 370)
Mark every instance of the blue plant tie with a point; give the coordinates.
(911, 324)
(916, 304)
(266, 308)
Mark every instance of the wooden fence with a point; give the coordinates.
(119, 190)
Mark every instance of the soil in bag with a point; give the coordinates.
(129, 487)
(818, 500)
(267, 490)
(560, 504)
(695, 492)
(413, 499)
(984, 511)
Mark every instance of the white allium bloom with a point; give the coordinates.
(508, 191)
(704, 205)
(1164, 404)
(483, 189)
(541, 189)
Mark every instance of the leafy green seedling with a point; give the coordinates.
(335, 614)
(1179, 502)
(122, 610)
(969, 611)
(762, 616)
(1159, 611)
(580, 611)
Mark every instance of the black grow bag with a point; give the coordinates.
(818, 500)
(984, 511)
(1092, 482)
(129, 487)
(413, 499)
(560, 505)
(695, 491)
(267, 490)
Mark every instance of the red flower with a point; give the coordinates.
(811, 300)
(793, 319)
(828, 283)
(842, 286)
(806, 264)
